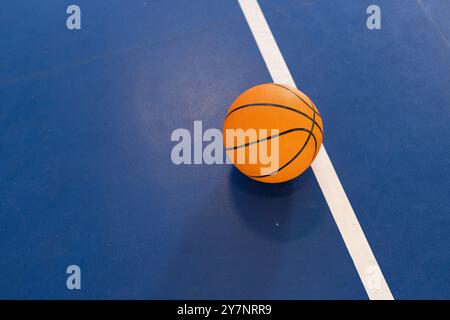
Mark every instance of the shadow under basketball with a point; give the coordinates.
(281, 212)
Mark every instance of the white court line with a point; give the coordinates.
(341, 209)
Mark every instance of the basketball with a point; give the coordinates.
(272, 132)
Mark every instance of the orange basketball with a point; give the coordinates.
(272, 132)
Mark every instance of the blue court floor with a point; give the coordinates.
(86, 176)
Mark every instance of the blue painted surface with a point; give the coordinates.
(85, 170)
(385, 99)
(86, 176)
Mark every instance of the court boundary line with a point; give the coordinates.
(354, 238)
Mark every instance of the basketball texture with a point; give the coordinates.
(269, 108)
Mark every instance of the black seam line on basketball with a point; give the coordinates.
(303, 100)
(287, 163)
(298, 153)
(312, 128)
(267, 138)
(288, 89)
(311, 107)
(275, 106)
